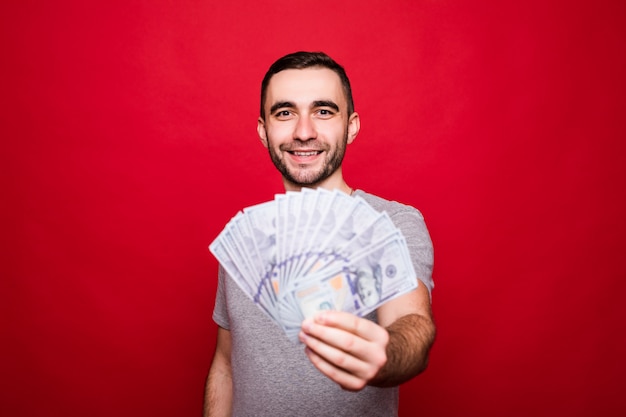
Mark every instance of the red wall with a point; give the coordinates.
(128, 141)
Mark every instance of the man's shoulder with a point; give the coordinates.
(392, 207)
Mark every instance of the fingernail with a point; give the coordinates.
(321, 317)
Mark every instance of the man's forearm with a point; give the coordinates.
(218, 394)
(410, 340)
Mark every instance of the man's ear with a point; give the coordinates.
(354, 125)
(260, 128)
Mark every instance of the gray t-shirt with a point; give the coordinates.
(273, 377)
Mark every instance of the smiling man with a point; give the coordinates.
(307, 127)
(346, 365)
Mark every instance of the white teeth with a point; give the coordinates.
(305, 153)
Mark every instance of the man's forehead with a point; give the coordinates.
(305, 85)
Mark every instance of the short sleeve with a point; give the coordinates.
(220, 311)
(411, 223)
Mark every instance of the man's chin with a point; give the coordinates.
(305, 180)
(299, 173)
(304, 183)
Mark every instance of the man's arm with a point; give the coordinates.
(355, 352)
(219, 384)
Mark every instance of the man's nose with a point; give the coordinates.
(305, 129)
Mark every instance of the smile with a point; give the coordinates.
(307, 153)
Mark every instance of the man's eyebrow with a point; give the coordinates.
(326, 103)
(281, 104)
(316, 103)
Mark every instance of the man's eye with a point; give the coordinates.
(283, 113)
(325, 112)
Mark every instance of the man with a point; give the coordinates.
(345, 365)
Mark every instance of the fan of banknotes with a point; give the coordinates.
(315, 250)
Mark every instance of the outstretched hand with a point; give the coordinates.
(349, 350)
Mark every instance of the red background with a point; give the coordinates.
(128, 141)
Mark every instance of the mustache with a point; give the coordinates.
(309, 145)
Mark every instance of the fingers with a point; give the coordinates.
(347, 349)
(347, 332)
(336, 323)
(348, 380)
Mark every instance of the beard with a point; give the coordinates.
(306, 176)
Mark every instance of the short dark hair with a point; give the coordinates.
(302, 60)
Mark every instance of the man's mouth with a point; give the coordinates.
(305, 153)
